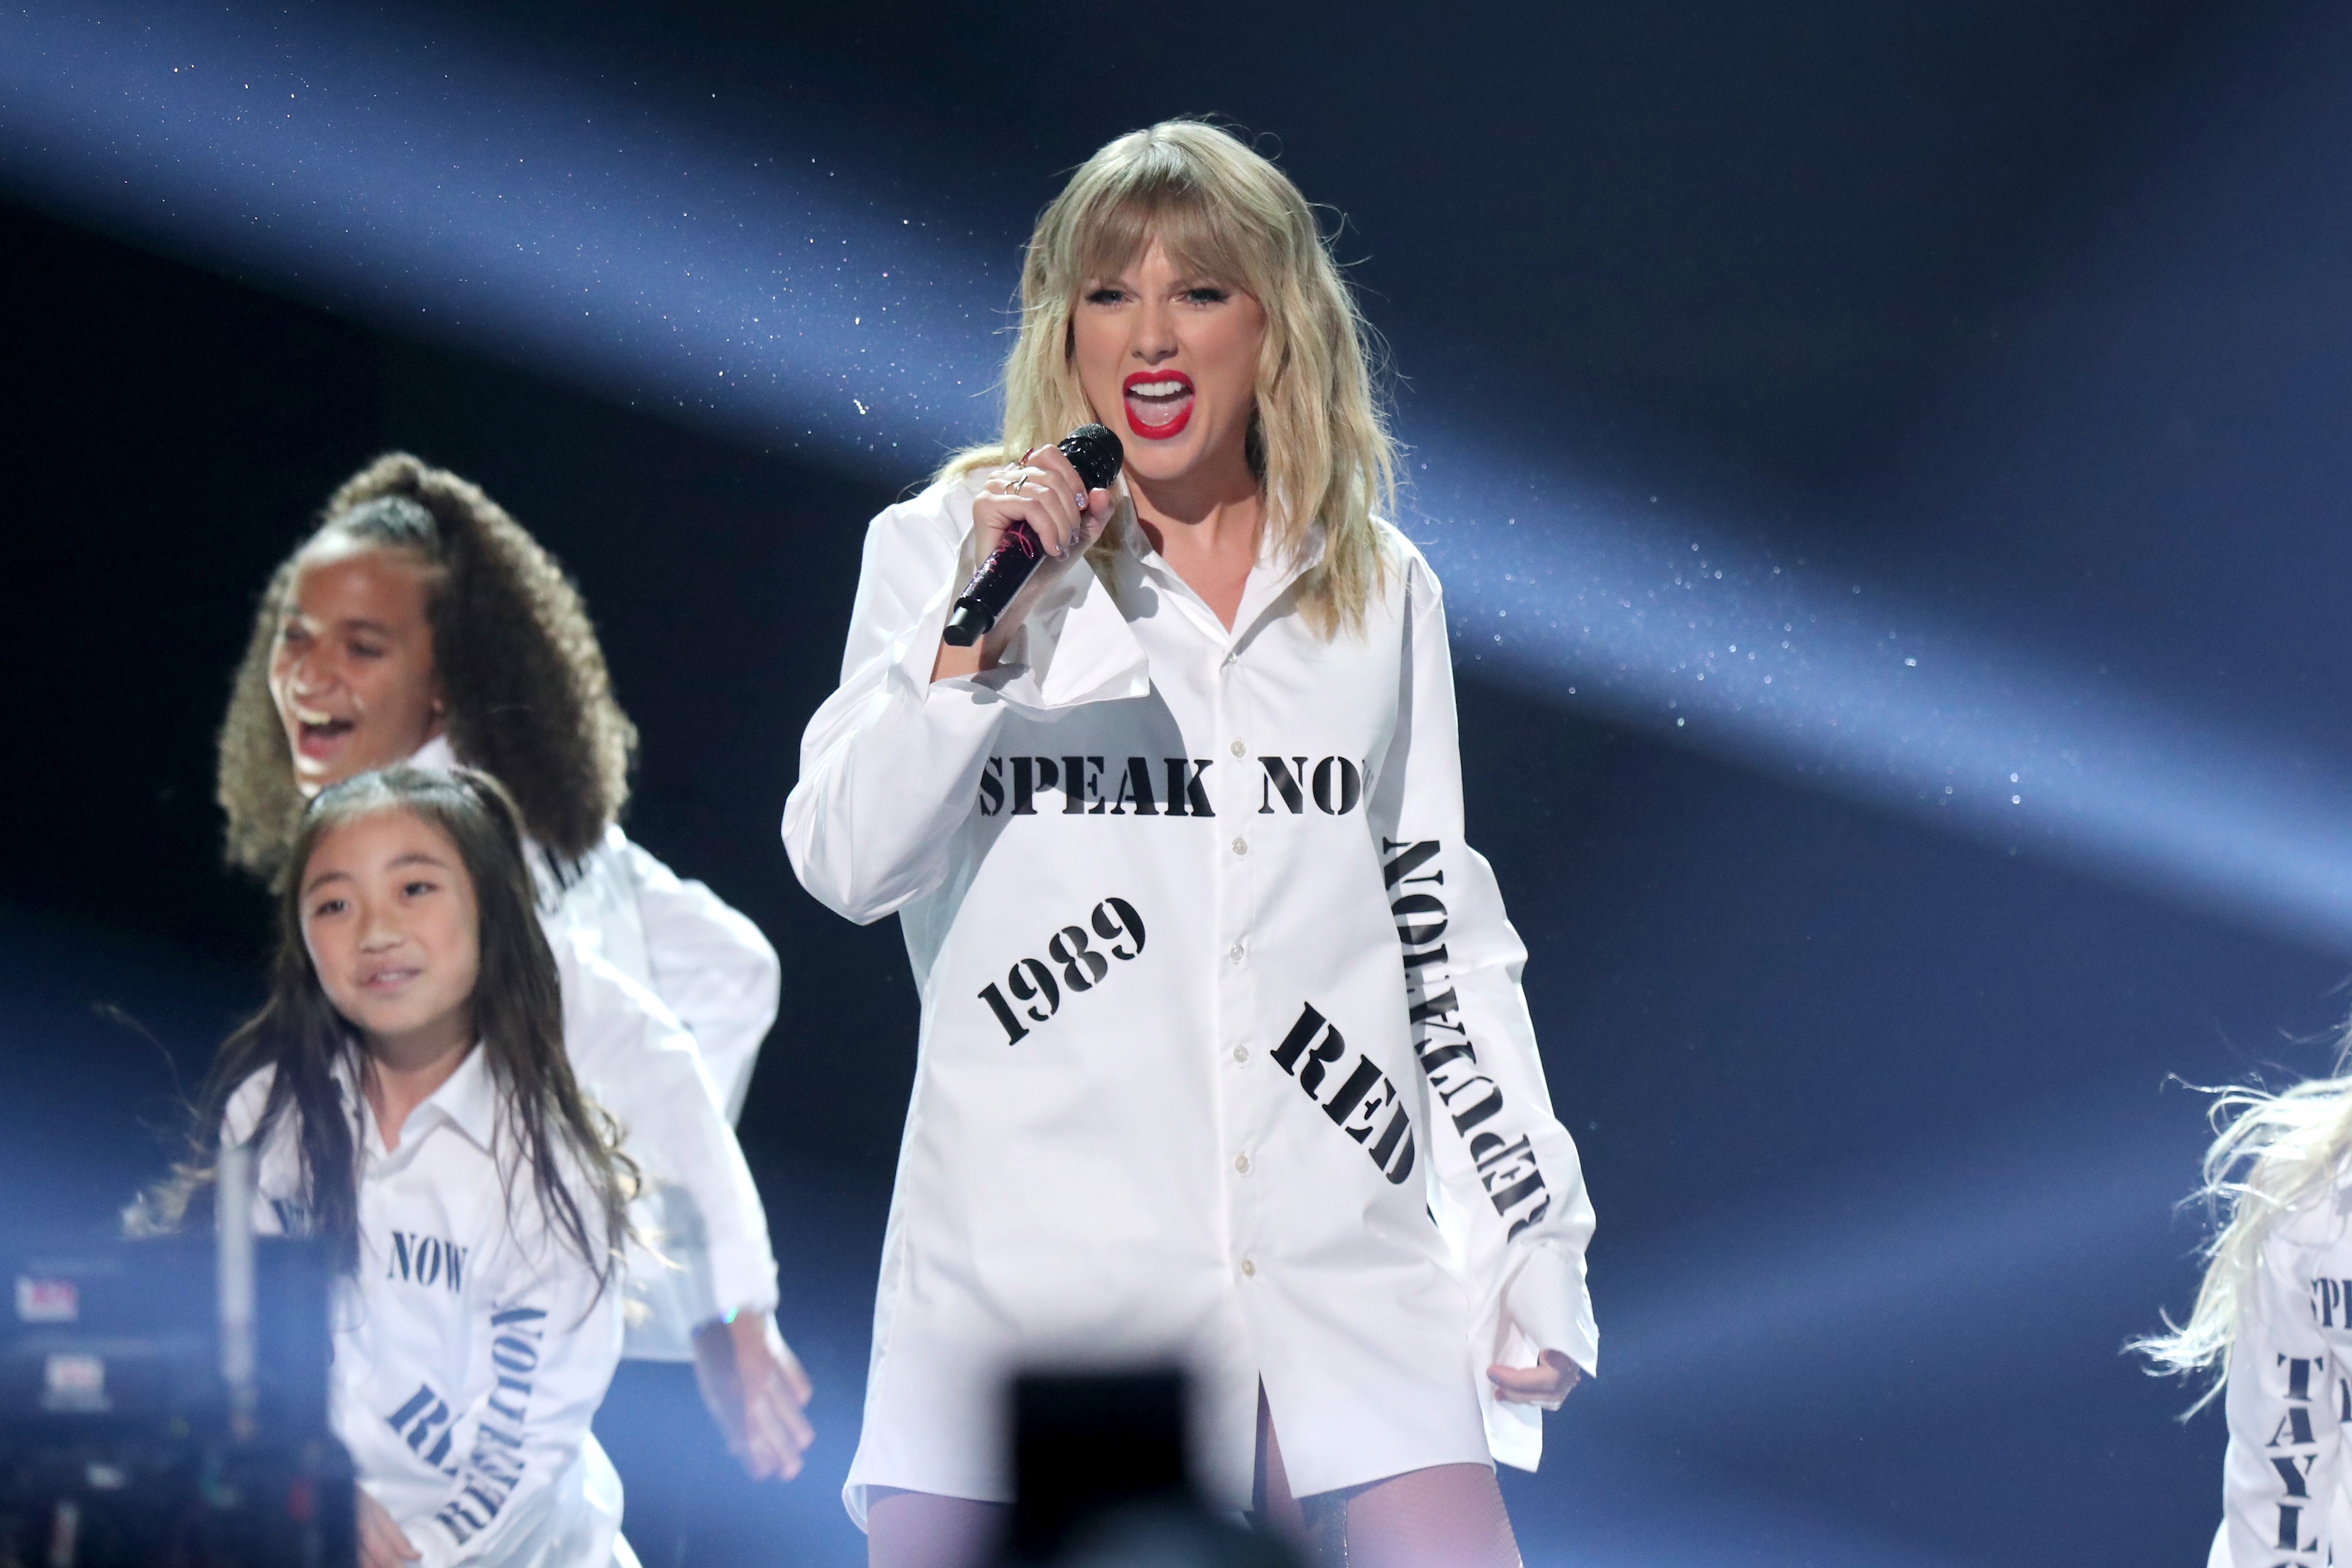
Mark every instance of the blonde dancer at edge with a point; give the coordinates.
(1218, 1009)
(2273, 1321)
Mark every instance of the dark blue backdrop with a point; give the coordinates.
(2033, 314)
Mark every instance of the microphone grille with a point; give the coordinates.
(1095, 452)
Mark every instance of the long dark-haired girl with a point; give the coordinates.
(406, 1093)
(421, 623)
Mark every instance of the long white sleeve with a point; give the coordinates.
(2286, 1403)
(889, 764)
(1511, 1188)
(709, 963)
(889, 761)
(637, 1060)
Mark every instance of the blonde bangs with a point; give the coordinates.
(1320, 447)
(1204, 237)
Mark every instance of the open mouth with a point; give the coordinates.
(1158, 402)
(321, 735)
(388, 979)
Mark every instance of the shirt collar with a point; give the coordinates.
(436, 755)
(469, 1098)
(1269, 578)
(466, 1100)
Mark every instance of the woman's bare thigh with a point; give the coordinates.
(1446, 1516)
(923, 1530)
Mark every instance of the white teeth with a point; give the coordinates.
(1157, 389)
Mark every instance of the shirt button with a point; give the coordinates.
(1241, 1053)
(1240, 1164)
(1241, 846)
(1236, 952)
(1248, 1267)
(1239, 750)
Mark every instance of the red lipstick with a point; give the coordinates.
(1158, 402)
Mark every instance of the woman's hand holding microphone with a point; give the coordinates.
(1046, 491)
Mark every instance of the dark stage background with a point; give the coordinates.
(2033, 311)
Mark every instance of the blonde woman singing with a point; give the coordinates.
(2273, 1321)
(1223, 1055)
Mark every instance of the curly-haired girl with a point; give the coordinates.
(421, 623)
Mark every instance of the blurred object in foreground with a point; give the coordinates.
(1101, 1479)
(141, 1424)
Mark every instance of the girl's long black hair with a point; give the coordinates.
(546, 1125)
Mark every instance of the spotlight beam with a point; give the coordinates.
(1600, 603)
(399, 175)
(407, 178)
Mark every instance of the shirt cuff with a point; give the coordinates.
(1547, 1302)
(1074, 648)
(742, 1278)
(434, 1547)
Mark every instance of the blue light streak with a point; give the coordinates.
(1605, 605)
(442, 190)
(449, 191)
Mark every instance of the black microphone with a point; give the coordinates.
(1096, 455)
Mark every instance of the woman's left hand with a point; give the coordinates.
(1545, 1384)
(757, 1391)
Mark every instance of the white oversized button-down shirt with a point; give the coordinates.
(2286, 1487)
(471, 1345)
(1182, 1089)
(668, 994)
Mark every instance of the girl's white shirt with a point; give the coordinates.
(2286, 1491)
(668, 994)
(471, 1345)
(1295, 1129)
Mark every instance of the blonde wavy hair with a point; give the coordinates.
(2272, 1155)
(1319, 442)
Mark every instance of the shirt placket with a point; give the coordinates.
(1241, 865)
(1243, 1135)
